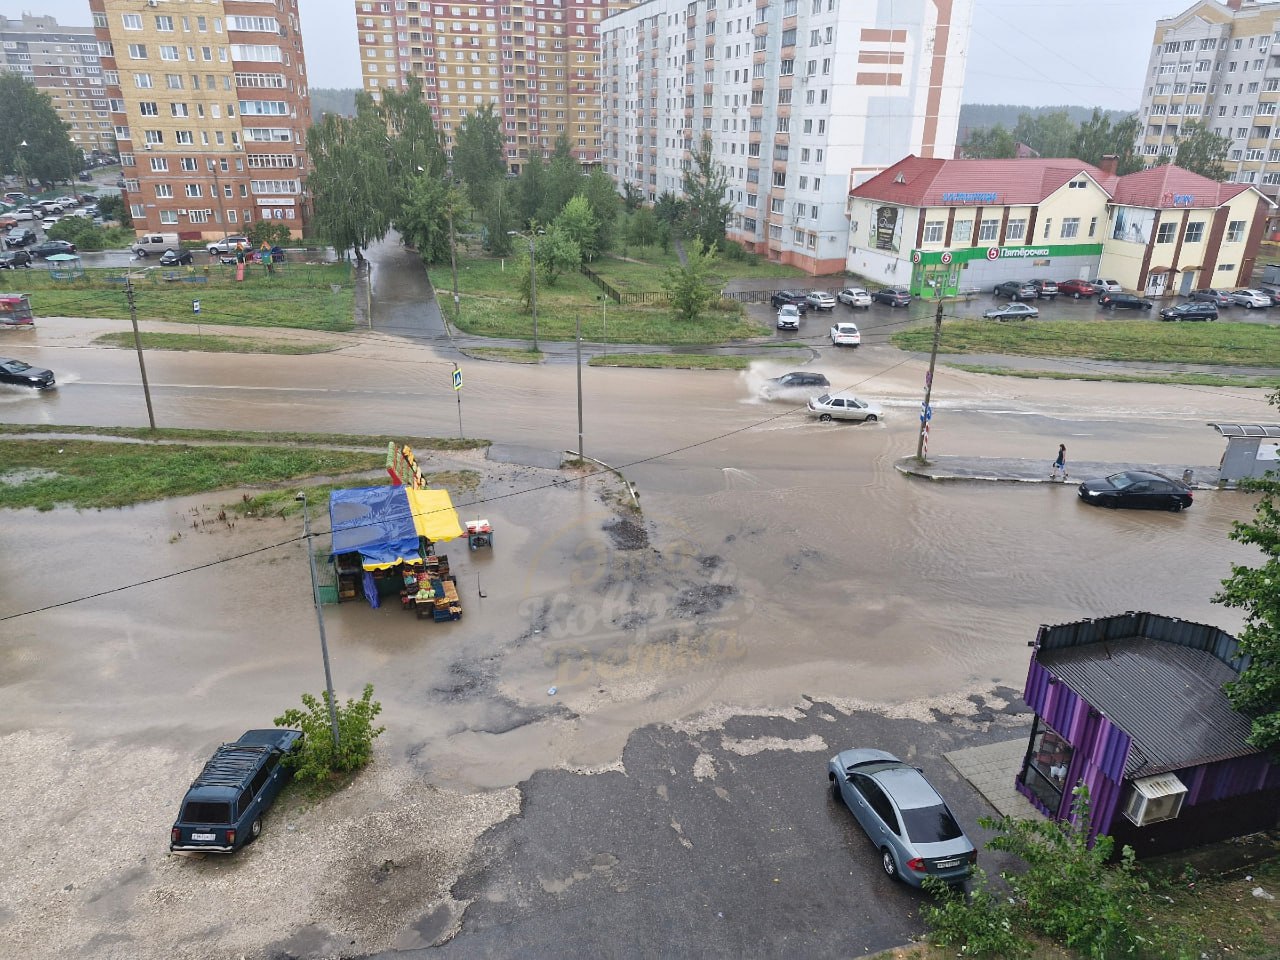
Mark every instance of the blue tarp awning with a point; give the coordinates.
(375, 522)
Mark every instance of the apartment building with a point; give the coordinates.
(537, 61)
(62, 62)
(210, 108)
(1218, 64)
(801, 100)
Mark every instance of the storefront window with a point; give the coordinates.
(1045, 769)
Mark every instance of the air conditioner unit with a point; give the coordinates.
(1154, 799)
(182, 213)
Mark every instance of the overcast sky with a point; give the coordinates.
(1033, 52)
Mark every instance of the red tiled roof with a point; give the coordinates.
(1015, 182)
(925, 181)
(1158, 186)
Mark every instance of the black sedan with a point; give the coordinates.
(1191, 310)
(175, 258)
(809, 383)
(893, 296)
(784, 297)
(52, 248)
(25, 375)
(1124, 301)
(1138, 490)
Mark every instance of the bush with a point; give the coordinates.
(317, 761)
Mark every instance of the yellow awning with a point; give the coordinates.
(433, 514)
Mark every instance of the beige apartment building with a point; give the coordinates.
(62, 61)
(210, 108)
(1219, 64)
(536, 61)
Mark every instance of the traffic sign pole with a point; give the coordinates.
(457, 388)
(926, 410)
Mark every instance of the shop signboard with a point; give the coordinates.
(403, 467)
(1044, 252)
(888, 228)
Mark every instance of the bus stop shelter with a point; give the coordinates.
(1252, 450)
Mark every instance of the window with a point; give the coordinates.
(1047, 764)
(168, 52)
(132, 21)
(166, 216)
(1015, 230)
(163, 191)
(961, 231)
(1195, 231)
(933, 231)
(148, 108)
(1235, 231)
(1048, 225)
(1070, 227)
(137, 51)
(988, 231)
(164, 24)
(1166, 233)
(193, 190)
(1093, 226)
(142, 81)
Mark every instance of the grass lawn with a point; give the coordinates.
(491, 307)
(1196, 379)
(244, 437)
(282, 503)
(91, 474)
(509, 354)
(678, 361)
(1247, 344)
(210, 343)
(296, 295)
(645, 276)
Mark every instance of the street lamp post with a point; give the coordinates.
(577, 339)
(604, 316)
(22, 166)
(315, 599)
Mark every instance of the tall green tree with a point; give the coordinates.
(643, 228)
(563, 181)
(1254, 590)
(499, 208)
(600, 192)
(479, 154)
(1050, 134)
(423, 218)
(27, 115)
(1099, 137)
(412, 141)
(632, 196)
(350, 180)
(669, 208)
(990, 143)
(578, 223)
(529, 188)
(557, 254)
(689, 287)
(1202, 151)
(706, 209)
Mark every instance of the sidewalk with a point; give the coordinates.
(1203, 476)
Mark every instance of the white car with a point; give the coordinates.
(24, 213)
(49, 222)
(229, 245)
(788, 317)
(1107, 286)
(1249, 299)
(844, 407)
(855, 297)
(845, 335)
(820, 300)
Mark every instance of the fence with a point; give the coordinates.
(617, 296)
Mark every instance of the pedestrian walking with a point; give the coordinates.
(1060, 463)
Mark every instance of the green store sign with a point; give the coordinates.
(966, 254)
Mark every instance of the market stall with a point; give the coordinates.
(385, 536)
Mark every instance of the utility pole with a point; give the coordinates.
(577, 340)
(453, 263)
(926, 411)
(533, 289)
(137, 342)
(315, 599)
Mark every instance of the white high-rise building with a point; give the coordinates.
(802, 100)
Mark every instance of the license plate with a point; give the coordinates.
(204, 836)
(946, 864)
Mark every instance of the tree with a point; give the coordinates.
(271, 232)
(1202, 151)
(706, 209)
(632, 196)
(111, 207)
(27, 115)
(423, 220)
(643, 228)
(499, 207)
(562, 182)
(412, 141)
(528, 189)
(317, 760)
(350, 179)
(1098, 137)
(669, 208)
(689, 287)
(600, 192)
(577, 222)
(557, 252)
(479, 154)
(1050, 134)
(1253, 589)
(992, 143)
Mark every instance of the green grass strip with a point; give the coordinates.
(676, 361)
(277, 437)
(211, 343)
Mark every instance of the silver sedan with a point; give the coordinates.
(1011, 311)
(844, 407)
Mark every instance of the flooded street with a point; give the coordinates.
(776, 559)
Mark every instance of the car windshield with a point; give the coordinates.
(825, 398)
(931, 824)
(1122, 481)
(202, 811)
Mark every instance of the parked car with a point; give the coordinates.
(15, 196)
(25, 375)
(1016, 290)
(796, 381)
(844, 407)
(1124, 301)
(780, 299)
(788, 317)
(48, 223)
(19, 237)
(13, 259)
(85, 176)
(224, 806)
(174, 258)
(8, 221)
(854, 297)
(1138, 489)
(1011, 311)
(893, 296)
(24, 213)
(820, 300)
(845, 334)
(1219, 298)
(1191, 310)
(904, 816)
(1076, 289)
(51, 248)
(1251, 299)
(1045, 289)
(1107, 286)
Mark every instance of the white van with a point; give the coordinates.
(156, 243)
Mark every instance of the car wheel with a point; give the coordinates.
(835, 786)
(255, 830)
(888, 863)
(824, 417)
(871, 418)
(1248, 306)
(1176, 506)
(142, 254)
